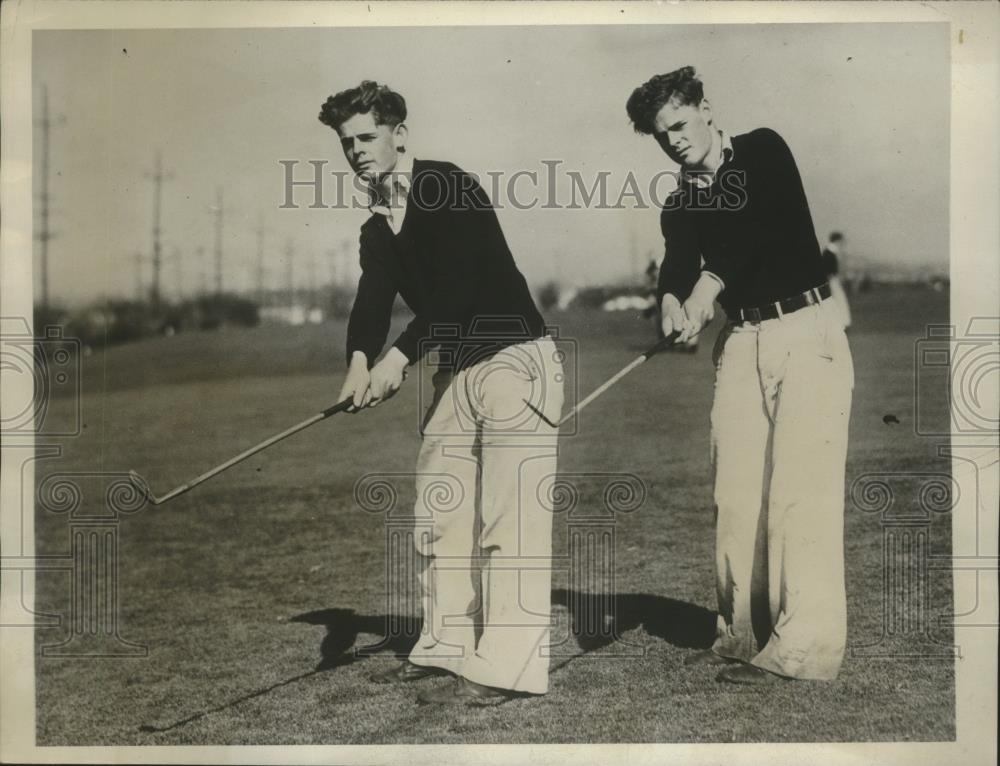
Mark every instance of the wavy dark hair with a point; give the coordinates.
(648, 99)
(387, 106)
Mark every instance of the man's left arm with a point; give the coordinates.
(699, 308)
(785, 182)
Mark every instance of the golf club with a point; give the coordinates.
(660, 346)
(143, 486)
(652, 351)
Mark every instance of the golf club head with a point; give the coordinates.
(140, 484)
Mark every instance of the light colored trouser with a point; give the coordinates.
(779, 445)
(486, 560)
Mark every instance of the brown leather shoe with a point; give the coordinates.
(708, 657)
(404, 672)
(463, 692)
(747, 674)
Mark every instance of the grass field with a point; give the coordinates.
(251, 590)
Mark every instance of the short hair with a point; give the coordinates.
(386, 106)
(836, 236)
(649, 98)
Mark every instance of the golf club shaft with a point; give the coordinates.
(660, 346)
(339, 407)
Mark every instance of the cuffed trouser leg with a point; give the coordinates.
(445, 516)
(518, 456)
(517, 539)
(808, 602)
(779, 425)
(515, 452)
(740, 434)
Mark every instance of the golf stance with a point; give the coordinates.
(490, 434)
(738, 229)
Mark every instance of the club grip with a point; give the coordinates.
(338, 407)
(663, 344)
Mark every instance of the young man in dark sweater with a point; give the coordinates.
(483, 535)
(738, 230)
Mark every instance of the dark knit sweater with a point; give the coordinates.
(752, 227)
(451, 265)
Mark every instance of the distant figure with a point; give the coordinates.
(831, 267)
(653, 312)
(652, 275)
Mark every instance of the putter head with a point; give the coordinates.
(140, 484)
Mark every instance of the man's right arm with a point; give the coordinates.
(368, 325)
(680, 270)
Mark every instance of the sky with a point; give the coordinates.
(864, 108)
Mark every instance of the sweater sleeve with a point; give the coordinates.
(371, 313)
(783, 174)
(682, 257)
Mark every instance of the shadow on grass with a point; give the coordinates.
(343, 627)
(595, 622)
(150, 728)
(598, 621)
(397, 634)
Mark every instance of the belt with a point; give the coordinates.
(777, 310)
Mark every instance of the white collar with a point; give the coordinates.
(393, 187)
(706, 177)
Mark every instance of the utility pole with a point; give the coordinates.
(202, 272)
(333, 256)
(219, 212)
(557, 264)
(290, 271)
(157, 177)
(178, 259)
(343, 263)
(44, 232)
(313, 287)
(260, 262)
(139, 289)
(636, 257)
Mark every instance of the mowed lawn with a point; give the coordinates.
(251, 591)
